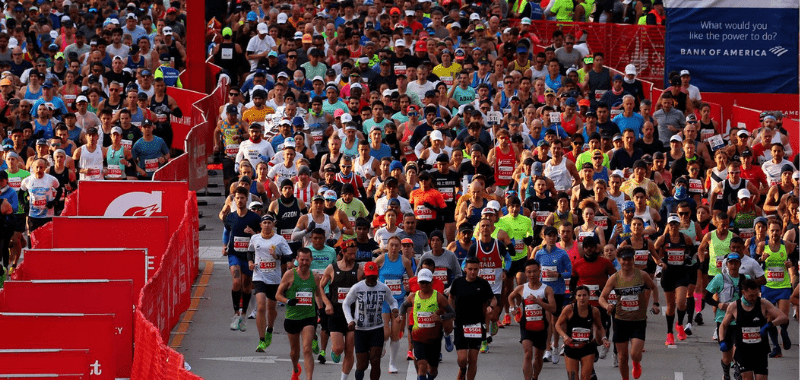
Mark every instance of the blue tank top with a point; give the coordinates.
(460, 252)
(477, 81)
(393, 271)
(475, 217)
(601, 174)
(33, 95)
(47, 128)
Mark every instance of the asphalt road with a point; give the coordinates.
(215, 352)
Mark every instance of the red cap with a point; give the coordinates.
(172, 9)
(406, 241)
(412, 107)
(394, 10)
(421, 46)
(370, 269)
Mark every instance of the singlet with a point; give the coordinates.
(340, 284)
(569, 126)
(580, 328)
(619, 200)
(364, 169)
(425, 330)
(461, 252)
(475, 217)
(286, 220)
(558, 219)
(630, 297)
(93, 161)
(522, 68)
(559, 174)
(113, 157)
(33, 95)
(491, 265)
(775, 270)
(504, 166)
(717, 250)
(534, 314)
(676, 254)
(646, 217)
(729, 196)
(304, 291)
(706, 130)
(750, 341)
(303, 194)
(228, 131)
(743, 222)
(641, 254)
(325, 225)
(584, 193)
(391, 274)
(584, 234)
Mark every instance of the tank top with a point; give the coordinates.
(161, 109)
(580, 328)
(522, 68)
(504, 166)
(391, 274)
(69, 98)
(461, 252)
(717, 251)
(569, 125)
(558, 219)
(93, 161)
(559, 174)
(706, 130)
(646, 217)
(425, 329)
(351, 151)
(287, 219)
(325, 225)
(303, 194)
(33, 95)
(729, 196)
(228, 132)
(584, 193)
(475, 216)
(630, 298)
(573, 254)
(304, 291)
(115, 170)
(743, 222)
(340, 284)
(677, 254)
(114, 106)
(534, 314)
(641, 254)
(775, 270)
(364, 169)
(749, 341)
(584, 234)
(491, 265)
(691, 232)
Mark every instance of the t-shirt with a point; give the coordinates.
(40, 191)
(239, 241)
(147, 153)
(268, 268)
(470, 298)
(364, 250)
(368, 301)
(447, 266)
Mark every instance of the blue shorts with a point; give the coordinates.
(242, 263)
(775, 295)
(387, 309)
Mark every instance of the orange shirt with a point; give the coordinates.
(418, 198)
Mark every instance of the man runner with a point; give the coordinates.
(471, 297)
(534, 298)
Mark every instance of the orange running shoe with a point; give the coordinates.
(296, 374)
(507, 320)
(681, 332)
(670, 339)
(637, 370)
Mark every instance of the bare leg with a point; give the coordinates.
(308, 356)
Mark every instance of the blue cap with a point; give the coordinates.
(571, 102)
(252, 16)
(629, 205)
(537, 168)
(298, 121)
(19, 8)
(408, 31)
(522, 49)
(272, 53)
(734, 256)
(393, 202)
(617, 77)
(396, 165)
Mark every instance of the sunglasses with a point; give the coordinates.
(684, 213)
(291, 57)
(413, 114)
(234, 94)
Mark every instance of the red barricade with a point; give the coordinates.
(181, 126)
(79, 296)
(197, 167)
(175, 170)
(45, 363)
(64, 331)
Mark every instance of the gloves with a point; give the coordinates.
(263, 158)
(528, 240)
(766, 327)
(430, 205)
(311, 225)
(292, 302)
(723, 346)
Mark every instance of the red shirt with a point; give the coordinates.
(592, 274)
(754, 175)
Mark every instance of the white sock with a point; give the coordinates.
(345, 376)
(394, 347)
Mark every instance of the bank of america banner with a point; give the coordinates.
(734, 45)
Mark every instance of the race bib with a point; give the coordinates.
(231, 149)
(751, 335)
(580, 335)
(716, 142)
(396, 286)
(267, 266)
(598, 94)
(775, 274)
(341, 294)
(594, 292)
(304, 298)
(127, 144)
(629, 303)
(447, 80)
(488, 274)
(114, 171)
(519, 246)
(582, 235)
(494, 117)
(640, 257)
(440, 274)
(38, 201)
(549, 273)
(719, 260)
(675, 256)
(705, 134)
(399, 69)
(226, 53)
(612, 297)
(534, 316)
(287, 234)
(240, 243)
(423, 213)
(601, 221)
(541, 217)
(695, 186)
(317, 135)
(473, 331)
(15, 182)
(151, 165)
(447, 193)
(425, 320)
(615, 113)
(746, 233)
(93, 173)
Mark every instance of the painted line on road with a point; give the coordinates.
(183, 326)
(411, 374)
(678, 375)
(672, 346)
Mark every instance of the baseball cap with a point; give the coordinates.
(584, 103)
(626, 253)
(746, 153)
(116, 130)
(370, 269)
(629, 205)
(393, 202)
(684, 72)
(442, 157)
(537, 168)
(329, 195)
(346, 118)
(407, 241)
(525, 21)
(673, 219)
(734, 256)
(743, 193)
(424, 275)
(231, 109)
(548, 230)
(787, 168)
(630, 69)
(436, 135)
(396, 165)
(676, 138)
(257, 204)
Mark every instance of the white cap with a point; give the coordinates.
(742, 132)
(355, 85)
(81, 98)
(684, 72)
(673, 218)
(494, 205)
(630, 69)
(409, 12)
(474, 16)
(116, 130)
(796, 175)
(282, 18)
(318, 78)
(425, 275)
(284, 122)
(12, 43)
(455, 25)
(289, 142)
(743, 193)
(53, 34)
(525, 21)
(436, 135)
(627, 1)
(619, 173)
(399, 43)
(254, 203)
(387, 92)
(676, 138)
(262, 28)
(258, 87)
(167, 31)
(346, 118)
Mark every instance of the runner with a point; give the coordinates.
(556, 268)
(300, 291)
(715, 246)
(727, 287)
(592, 271)
(368, 296)
(446, 269)
(316, 218)
(581, 328)
(520, 229)
(42, 192)
(471, 297)
(534, 297)
(778, 289)
(322, 257)
(674, 248)
(630, 312)
(264, 253)
(392, 268)
(287, 210)
(150, 152)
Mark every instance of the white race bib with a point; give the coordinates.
(629, 303)
(675, 256)
(425, 319)
(488, 274)
(751, 335)
(396, 286)
(240, 243)
(580, 335)
(776, 274)
(594, 292)
(341, 294)
(267, 266)
(640, 257)
(473, 331)
(151, 165)
(549, 273)
(303, 298)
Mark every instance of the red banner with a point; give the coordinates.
(67, 364)
(79, 296)
(64, 331)
(181, 126)
(197, 166)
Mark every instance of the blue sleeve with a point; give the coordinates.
(164, 148)
(507, 258)
(566, 264)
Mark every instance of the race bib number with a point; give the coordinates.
(549, 273)
(640, 257)
(615, 113)
(594, 292)
(447, 193)
(399, 69)
(555, 117)
(488, 274)
(440, 274)
(675, 256)
(473, 331)
(601, 221)
(396, 286)
(775, 274)
(541, 217)
(716, 142)
(127, 144)
(287, 234)
(583, 235)
(267, 266)
(15, 182)
(304, 298)
(425, 320)
(341, 294)
(612, 297)
(423, 213)
(505, 172)
(240, 243)
(151, 165)
(580, 335)
(695, 186)
(226, 53)
(746, 233)
(719, 260)
(534, 316)
(519, 246)
(494, 117)
(598, 94)
(231, 149)
(705, 134)
(38, 201)
(751, 335)
(447, 80)
(114, 171)
(93, 173)
(629, 303)
(317, 136)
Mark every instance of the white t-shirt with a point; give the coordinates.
(268, 268)
(258, 45)
(41, 191)
(749, 267)
(253, 151)
(369, 304)
(694, 93)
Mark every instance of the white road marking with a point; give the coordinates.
(412, 371)
(678, 375)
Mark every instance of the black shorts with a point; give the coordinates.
(19, 223)
(367, 339)
(730, 336)
(625, 331)
(651, 265)
(324, 319)
(752, 359)
(538, 338)
(428, 352)
(463, 343)
(516, 267)
(560, 299)
(704, 266)
(268, 289)
(449, 214)
(582, 352)
(296, 326)
(673, 278)
(228, 168)
(337, 323)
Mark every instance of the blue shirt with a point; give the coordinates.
(558, 258)
(57, 103)
(635, 122)
(384, 151)
(11, 196)
(236, 226)
(146, 151)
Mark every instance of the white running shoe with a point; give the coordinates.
(616, 360)
(561, 351)
(252, 314)
(603, 352)
(555, 357)
(392, 369)
(235, 323)
(716, 335)
(242, 326)
(547, 356)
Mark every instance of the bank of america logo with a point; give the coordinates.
(778, 50)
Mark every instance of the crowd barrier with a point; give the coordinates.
(43, 363)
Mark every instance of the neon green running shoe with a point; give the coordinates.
(262, 345)
(267, 339)
(315, 345)
(336, 358)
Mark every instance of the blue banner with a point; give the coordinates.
(729, 46)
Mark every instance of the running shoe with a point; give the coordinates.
(410, 355)
(616, 360)
(315, 345)
(441, 358)
(561, 351)
(296, 374)
(637, 370)
(268, 338)
(494, 328)
(787, 343)
(448, 343)
(603, 352)
(698, 319)
(518, 315)
(776, 352)
(681, 332)
(235, 323)
(484, 347)
(242, 326)
(252, 315)
(321, 357)
(392, 369)
(670, 339)
(507, 320)
(547, 356)
(687, 329)
(262, 345)
(716, 335)
(336, 358)
(555, 357)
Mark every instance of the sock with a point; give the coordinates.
(681, 314)
(394, 347)
(345, 376)
(726, 373)
(773, 336)
(269, 330)
(690, 308)
(245, 302)
(670, 322)
(422, 377)
(359, 374)
(236, 296)
(431, 377)
(262, 339)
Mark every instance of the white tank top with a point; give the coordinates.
(326, 225)
(303, 194)
(93, 162)
(559, 174)
(619, 200)
(721, 174)
(364, 169)
(648, 221)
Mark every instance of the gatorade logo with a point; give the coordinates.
(137, 203)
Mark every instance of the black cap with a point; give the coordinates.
(442, 157)
(330, 168)
(787, 168)
(746, 153)
(287, 182)
(437, 233)
(476, 148)
(591, 113)
(658, 155)
(639, 164)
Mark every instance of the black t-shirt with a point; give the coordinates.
(655, 146)
(466, 171)
(470, 299)
(364, 250)
(236, 226)
(608, 126)
(446, 184)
